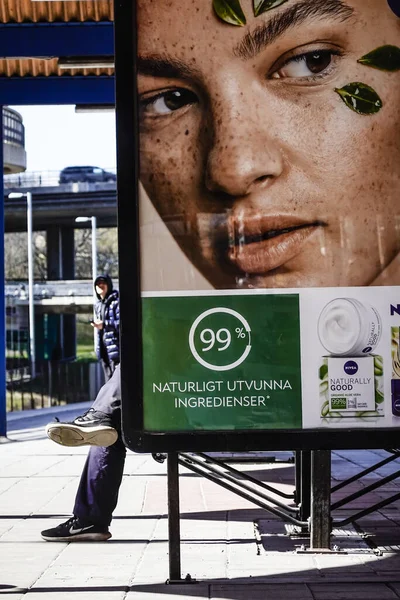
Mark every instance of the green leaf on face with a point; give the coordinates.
(361, 98)
(230, 11)
(385, 58)
(261, 6)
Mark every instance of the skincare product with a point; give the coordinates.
(348, 327)
(351, 387)
(351, 384)
(395, 383)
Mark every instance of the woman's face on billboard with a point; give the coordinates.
(263, 174)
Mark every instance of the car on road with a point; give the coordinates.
(86, 173)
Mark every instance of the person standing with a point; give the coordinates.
(99, 428)
(101, 478)
(97, 493)
(106, 323)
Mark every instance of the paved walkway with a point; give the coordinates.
(233, 549)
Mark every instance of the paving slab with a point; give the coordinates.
(234, 549)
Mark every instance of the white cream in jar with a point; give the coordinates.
(348, 327)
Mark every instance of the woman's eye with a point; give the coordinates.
(305, 65)
(167, 102)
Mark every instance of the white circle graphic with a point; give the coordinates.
(201, 360)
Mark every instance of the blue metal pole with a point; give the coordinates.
(3, 419)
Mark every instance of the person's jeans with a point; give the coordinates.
(101, 477)
(108, 368)
(108, 400)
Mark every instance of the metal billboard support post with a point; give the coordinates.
(174, 534)
(320, 520)
(305, 485)
(303, 488)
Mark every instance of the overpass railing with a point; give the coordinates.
(33, 179)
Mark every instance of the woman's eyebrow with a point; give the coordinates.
(266, 33)
(165, 66)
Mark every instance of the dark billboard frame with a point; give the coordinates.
(135, 436)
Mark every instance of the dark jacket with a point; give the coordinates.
(107, 310)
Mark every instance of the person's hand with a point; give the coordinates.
(97, 324)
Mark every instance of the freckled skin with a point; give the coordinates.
(253, 147)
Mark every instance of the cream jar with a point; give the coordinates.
(348, 327)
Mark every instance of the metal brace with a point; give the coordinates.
(334, 550)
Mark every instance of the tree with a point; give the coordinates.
(107, 252)
(16, 254)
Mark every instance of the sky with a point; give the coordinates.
(56, 137)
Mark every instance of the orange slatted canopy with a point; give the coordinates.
(28, 12)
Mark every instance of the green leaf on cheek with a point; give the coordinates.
(261, 6)
(385, 58)
(230, 11)
(361, 98)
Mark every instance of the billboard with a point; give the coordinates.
(259, 223)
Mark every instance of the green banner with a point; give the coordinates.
(221, 362)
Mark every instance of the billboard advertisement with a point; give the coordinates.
(259, 150)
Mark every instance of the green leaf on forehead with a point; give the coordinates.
(230, 11)
(386, 58)
(262, 6)
(361, 98)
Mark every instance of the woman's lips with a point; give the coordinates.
(263, 246)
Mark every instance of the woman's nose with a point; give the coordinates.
(244, 156)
